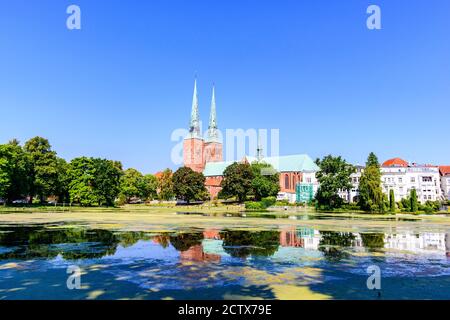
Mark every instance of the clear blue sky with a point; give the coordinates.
(120, 86)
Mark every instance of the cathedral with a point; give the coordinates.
(197, 151)
(205, 154)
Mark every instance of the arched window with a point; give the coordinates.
(293, 181)
(286, 181)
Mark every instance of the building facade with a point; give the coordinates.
(444, 172)
(401, 177)
(352, 196)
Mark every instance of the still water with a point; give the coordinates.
(283, 262)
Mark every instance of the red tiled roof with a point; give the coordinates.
(395, 162)
(444, 170)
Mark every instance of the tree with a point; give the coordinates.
(14, 171)
(150, 186)
(413, 200)
(391, 201)
(237, 181)
(189, 185)
(107, 180)
(371, 196)
(333, 176)
(131, 184)
(165, 185)
(81, 186)
(265, 182)
(135, 184)
(62, 185)
(5, 172)
(44, 174)
(94, 181)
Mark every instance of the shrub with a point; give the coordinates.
(268, 201)
(254, 206)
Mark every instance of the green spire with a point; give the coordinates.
(194, 126)
(213, 135)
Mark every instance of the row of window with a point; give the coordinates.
(413, 179)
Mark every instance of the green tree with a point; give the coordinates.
(5, 172)
(333, 176)
(94, 181)
(81, 186)
(265, 181)
(371, 196)
(15, 169)
(150, 187)
(44, 173)
(237, 181)
(107, 180)
(132, 184)
(414, 207)
(165, 186)
(189, 185)
(391, 201)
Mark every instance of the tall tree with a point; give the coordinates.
(62, 186)
(135, 184)
(5, 171)
(44, 174)
(107, 180)
(371, 196)
(94, 181)
(131, 184)
(81, 186)
(150, 187)
(15, 169)
(333, 176)
(413, 200)
(265, 181)
(189, 185)
(391, 201)
(237, 181)
(165, 185)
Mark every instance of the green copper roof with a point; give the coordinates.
(212, 128)
(194, 124)
(293, 163)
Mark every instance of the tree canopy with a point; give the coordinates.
(165, 185)
(265, 181)
(371, 197)
(237, 181)
(189, 185)
(333, 176)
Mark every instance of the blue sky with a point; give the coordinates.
(118, 87)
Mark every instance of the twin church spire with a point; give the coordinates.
(194, 126)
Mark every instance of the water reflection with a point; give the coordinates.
(209, 245)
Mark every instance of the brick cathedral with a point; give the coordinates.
(198, 151)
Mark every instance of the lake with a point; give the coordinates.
(169, 256)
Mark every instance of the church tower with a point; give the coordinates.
(193, 145)
(213, 144)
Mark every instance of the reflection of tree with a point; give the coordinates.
(38, 242)
(183, 241)
(244, 243)
(332, 244)
(163, 240)
(373, 240)
(129, 238)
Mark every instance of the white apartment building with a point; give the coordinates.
(445, 181)
(353, 194)
(400, 176)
